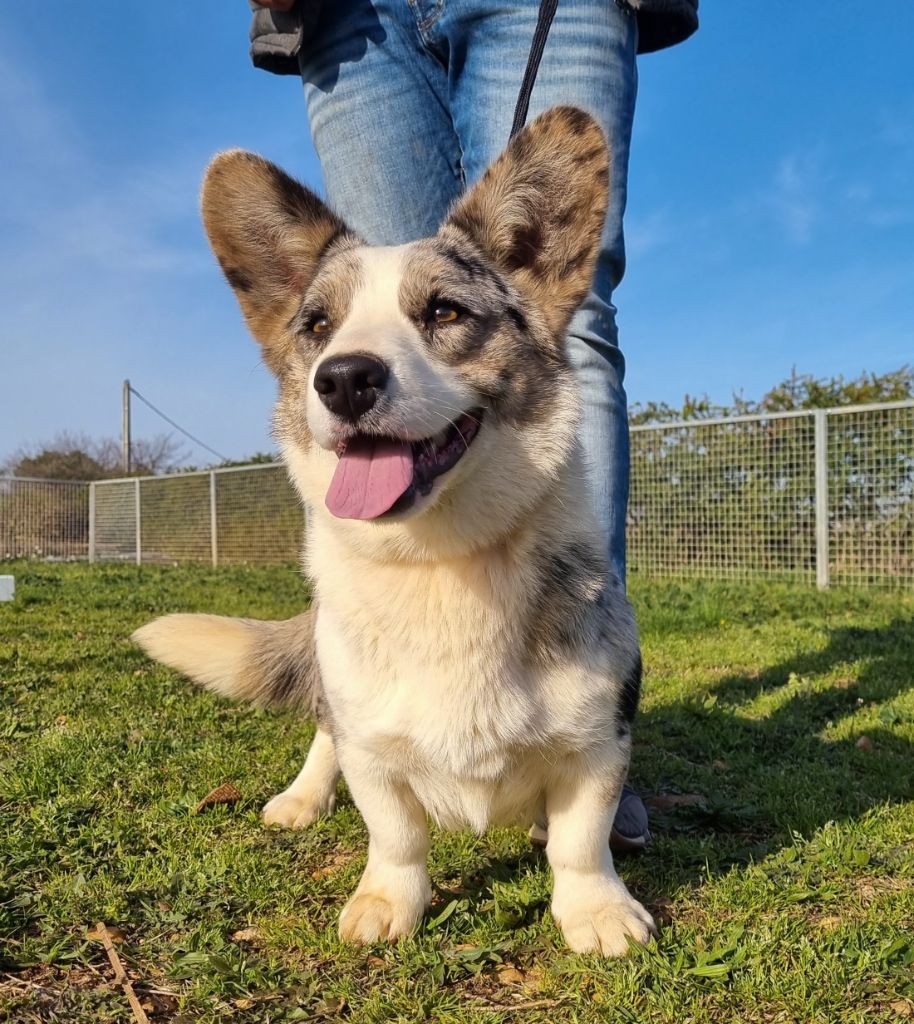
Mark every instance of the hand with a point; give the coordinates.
(277, 5)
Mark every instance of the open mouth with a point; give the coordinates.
(379, 475)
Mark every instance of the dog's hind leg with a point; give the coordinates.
(313, 792)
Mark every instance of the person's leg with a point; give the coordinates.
(391, 165)
(385, 117)
(378, 109)
(589, 62)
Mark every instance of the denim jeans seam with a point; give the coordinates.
(423, 24)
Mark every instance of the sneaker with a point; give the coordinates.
(630, 833)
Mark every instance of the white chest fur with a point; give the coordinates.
(426, 672)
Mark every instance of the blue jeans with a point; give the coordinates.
(411, 100)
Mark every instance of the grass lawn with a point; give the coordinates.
(776, 735)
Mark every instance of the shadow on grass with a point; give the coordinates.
(763, 776)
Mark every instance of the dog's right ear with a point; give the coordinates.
(268, 233)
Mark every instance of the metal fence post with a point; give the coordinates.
(820, 418)
(214, 540)
(139, 543)
(92, 521)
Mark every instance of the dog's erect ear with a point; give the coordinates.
(538, 211)
(268, 233)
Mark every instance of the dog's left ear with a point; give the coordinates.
(538, 211)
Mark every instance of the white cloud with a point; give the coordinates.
(796, 196)
(647, 234)
(66, 208)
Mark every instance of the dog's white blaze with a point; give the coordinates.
(424, 395)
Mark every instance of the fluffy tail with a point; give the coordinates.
(268, 663)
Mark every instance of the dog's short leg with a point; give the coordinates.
(395, 889)
(313, 793)
(589, 900)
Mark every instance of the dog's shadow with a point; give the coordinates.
(749, 777)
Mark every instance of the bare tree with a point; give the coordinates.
(73, 456)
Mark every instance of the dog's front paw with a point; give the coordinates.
(370, 917)
(388, 903)
(604, 924)
(297, 810)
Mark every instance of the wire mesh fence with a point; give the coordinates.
(113, 520)
(825, 496)
(724, 498)
(258, 516)
(43, 518)
(870, 459)
(241, 514)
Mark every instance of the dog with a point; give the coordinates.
(469, 657)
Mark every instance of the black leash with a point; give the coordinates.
(543, 21)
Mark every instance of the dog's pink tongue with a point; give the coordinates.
(372, 473)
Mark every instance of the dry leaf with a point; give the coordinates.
(662, 909)
(533, 976)
(510, 976)
(243, 1004)
(157, 1004)
(224, 794)
(247, 935)
(115, 934)
(337, 860)
(330, 1006)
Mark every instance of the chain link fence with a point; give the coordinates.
(825, 496)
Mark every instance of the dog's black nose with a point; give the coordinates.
(349, 385)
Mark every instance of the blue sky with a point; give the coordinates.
(770, 220)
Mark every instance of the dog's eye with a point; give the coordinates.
(442, 314)
(318, 325)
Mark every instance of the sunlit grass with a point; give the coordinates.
(784, 882)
